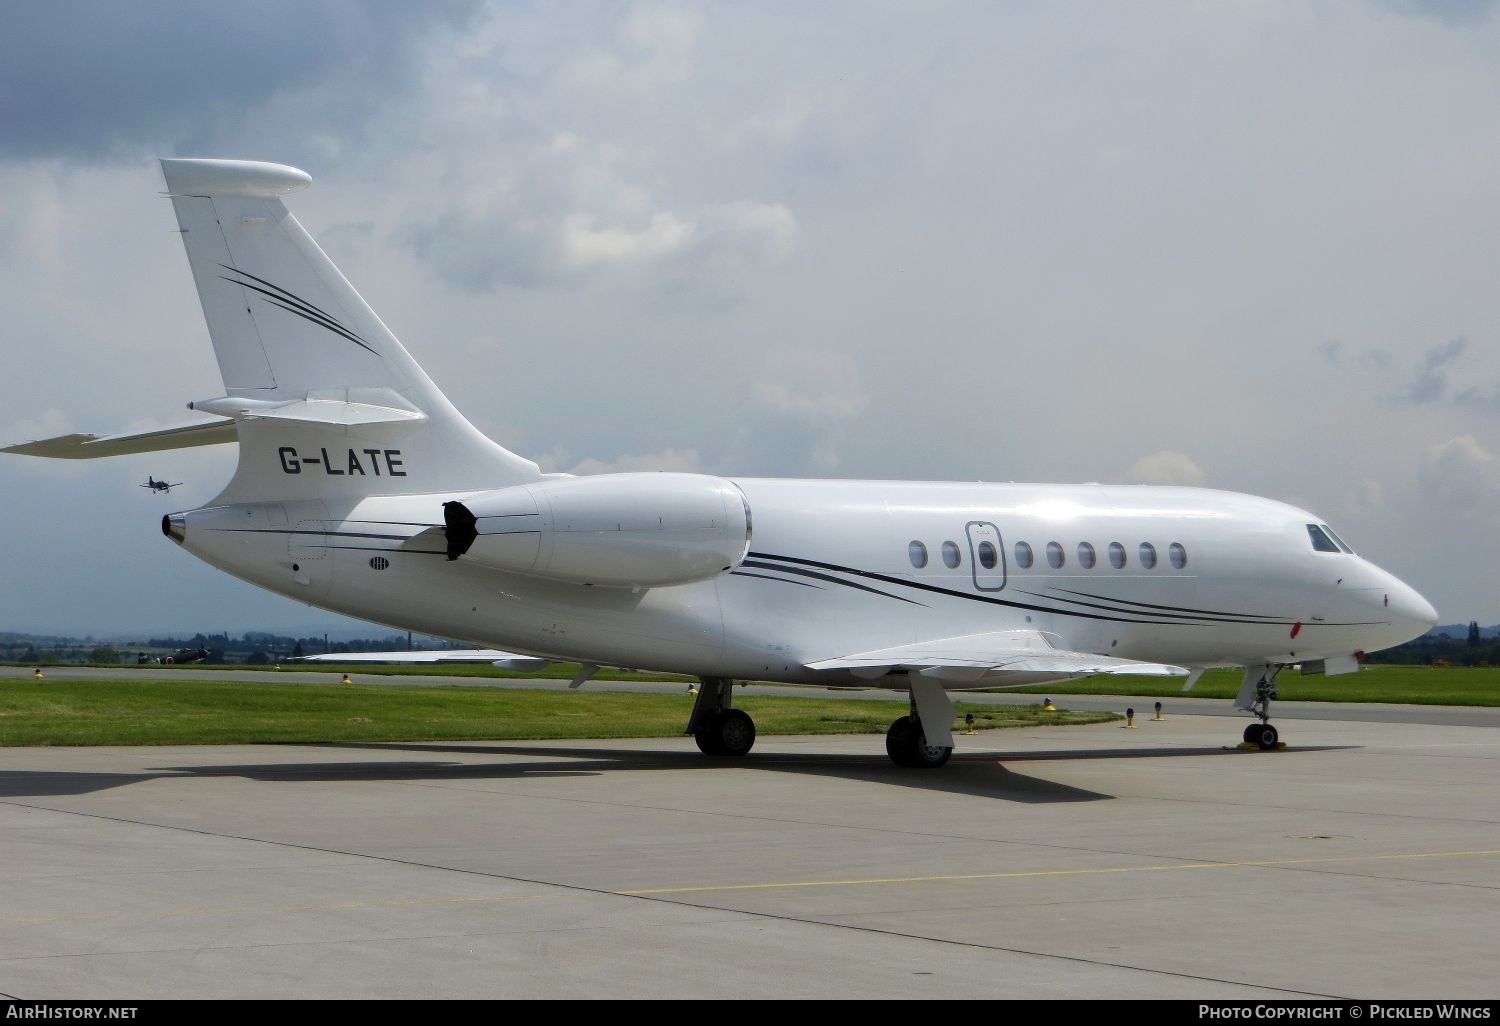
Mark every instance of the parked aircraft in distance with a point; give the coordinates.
(361, 489)
(162, 487)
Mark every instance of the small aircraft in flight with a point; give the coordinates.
(162, 487)
(361, 489)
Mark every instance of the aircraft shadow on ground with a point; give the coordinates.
(977, 774)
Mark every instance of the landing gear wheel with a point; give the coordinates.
(899, 744)
(731, 732)
(1265, 736)
(907, 747)
(1252, 733)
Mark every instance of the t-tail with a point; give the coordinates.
(325, 401)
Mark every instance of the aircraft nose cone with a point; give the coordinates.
(1410, 608)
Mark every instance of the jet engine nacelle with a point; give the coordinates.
(630, 530)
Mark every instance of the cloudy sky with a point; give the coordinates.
(1250, 246)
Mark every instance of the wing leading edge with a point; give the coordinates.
(992, 659)
(501, 660)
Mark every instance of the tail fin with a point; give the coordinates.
(312, 376)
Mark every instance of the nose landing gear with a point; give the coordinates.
(1257, 690)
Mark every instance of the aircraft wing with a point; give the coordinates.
(502, 660)
(87, 447)
(993, 659)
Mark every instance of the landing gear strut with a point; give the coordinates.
(1257, 690)
(718, 728)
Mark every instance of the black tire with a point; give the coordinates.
(736, 732)
(1252, 734)
(1267, 738)
(708, 738)
(899, 742)
(729, 733)
(908, 748)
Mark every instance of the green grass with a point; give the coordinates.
(156, 711)
(168, 706)
(1414, 685)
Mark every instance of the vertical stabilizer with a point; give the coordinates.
(312, 376)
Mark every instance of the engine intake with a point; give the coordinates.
(626, 530)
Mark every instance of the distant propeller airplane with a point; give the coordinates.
(159, 486)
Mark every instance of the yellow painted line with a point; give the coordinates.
(1260, 864)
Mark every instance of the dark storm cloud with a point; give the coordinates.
(87, 80)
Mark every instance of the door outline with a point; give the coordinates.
(981, 531)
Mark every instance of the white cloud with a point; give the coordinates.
(585, 246)
(680, 460)
(1461, 476)
(1167, 468)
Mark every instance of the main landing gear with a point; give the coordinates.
(922, 739)
(907, 746)
(1257, 690)
(719, 728)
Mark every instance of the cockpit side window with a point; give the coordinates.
(1336, 539)
(1320, 540)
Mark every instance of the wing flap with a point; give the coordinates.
(992, 659)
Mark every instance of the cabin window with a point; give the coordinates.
(917, 553)
(1148, 555)
(988, 557)
(1178, 555)
(1320, 540)
(1117, 555)
(1086, 555)
(1054, 555)
(951, 558)
(1023, 555)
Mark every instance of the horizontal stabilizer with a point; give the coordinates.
(318, 408)
(88, 447)
(992, 659)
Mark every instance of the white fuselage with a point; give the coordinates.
(831, 570)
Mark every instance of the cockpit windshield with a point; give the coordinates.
(1324, 540)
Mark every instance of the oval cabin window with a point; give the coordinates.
(917, 553)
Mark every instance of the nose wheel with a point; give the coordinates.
(1263, 735)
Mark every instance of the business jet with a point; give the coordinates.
(159, 487)
(361, 489)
